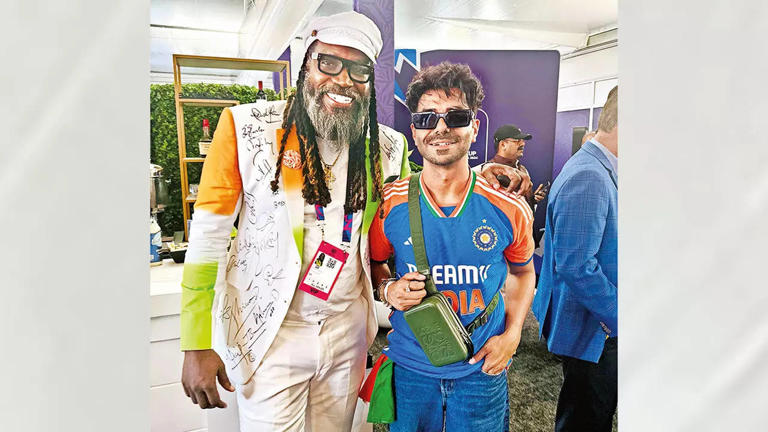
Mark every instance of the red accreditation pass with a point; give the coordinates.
(323, 271)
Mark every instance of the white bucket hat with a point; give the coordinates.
(350, 29)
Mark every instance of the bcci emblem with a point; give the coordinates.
(484, 238)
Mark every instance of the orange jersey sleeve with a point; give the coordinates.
(393, 194)
(381, 248)
(521, 218)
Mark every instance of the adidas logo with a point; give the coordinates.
(408, 242)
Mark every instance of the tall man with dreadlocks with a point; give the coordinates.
(292, 311)
(288, 314)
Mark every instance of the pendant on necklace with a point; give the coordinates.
(329, 177)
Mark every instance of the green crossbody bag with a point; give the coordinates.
(434, 323)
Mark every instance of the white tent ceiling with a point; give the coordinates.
(264, 28)
(501, 24)
(227, 28)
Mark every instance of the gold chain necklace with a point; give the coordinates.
(328, 169)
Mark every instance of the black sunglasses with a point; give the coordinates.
(453, 119)
(332, 65)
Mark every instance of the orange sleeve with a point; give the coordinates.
(381, 248)
(521, 249)
(220, 182)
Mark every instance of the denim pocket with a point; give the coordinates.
(492, 375)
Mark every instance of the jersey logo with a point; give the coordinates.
(408, 242)
(459, 301)
(455, 275)
(484, 238)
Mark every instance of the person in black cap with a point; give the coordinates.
(510, 143)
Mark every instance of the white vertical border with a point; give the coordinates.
(693, 230)
(74, 222)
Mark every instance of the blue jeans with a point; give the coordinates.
(474, 403)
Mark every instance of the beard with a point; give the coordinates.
(340, 125)
(444, 157)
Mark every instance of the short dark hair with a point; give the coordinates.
(445, 76)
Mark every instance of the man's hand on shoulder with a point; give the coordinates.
(519, 180)
(198, 377)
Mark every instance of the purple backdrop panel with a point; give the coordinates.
(595, 117)
(382, 12)
(566, 121)
(286, 55)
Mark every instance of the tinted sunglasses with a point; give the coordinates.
(332, 65)
(453, 119)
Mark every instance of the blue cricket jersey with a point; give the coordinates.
(468, 251)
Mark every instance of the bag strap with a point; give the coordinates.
(420, 253)
(483, 317)
(417, 234)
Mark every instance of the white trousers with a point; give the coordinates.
(310, 376)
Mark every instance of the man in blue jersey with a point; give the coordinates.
(476, 239)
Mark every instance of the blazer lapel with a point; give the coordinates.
(293, 181)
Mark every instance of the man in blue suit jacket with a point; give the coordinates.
(576, 301)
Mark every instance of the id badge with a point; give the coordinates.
(324, 270)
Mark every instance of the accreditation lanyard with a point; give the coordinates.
(325, 267)
(346, 232)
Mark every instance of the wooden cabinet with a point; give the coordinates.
(203, 62)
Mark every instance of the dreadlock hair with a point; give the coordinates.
(314, 189)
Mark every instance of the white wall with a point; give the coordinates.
(297, 58)
(586, 79)
(589, 67)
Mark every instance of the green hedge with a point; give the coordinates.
(164, 148)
